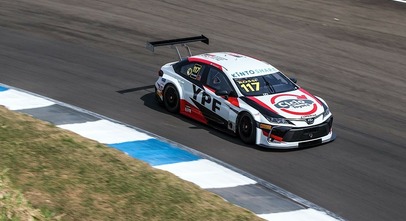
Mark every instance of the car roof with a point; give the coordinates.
(235, 65)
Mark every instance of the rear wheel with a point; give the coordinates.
(171, 99)
(247, 128)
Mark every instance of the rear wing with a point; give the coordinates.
(179, 41)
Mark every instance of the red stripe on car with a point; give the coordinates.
(234, 101)
(205, 62)
(266, 133)
(191, 111)
(310, 95)
(301, 113)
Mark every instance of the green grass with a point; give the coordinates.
(67, 177)
(13, 205)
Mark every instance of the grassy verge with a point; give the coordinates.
(13, 205)
(67, 177)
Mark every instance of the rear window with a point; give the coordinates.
(192, 70)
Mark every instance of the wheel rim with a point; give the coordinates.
(246, 127)
(171, 98)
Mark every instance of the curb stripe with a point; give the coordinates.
(257, 198)
(189, 164)
(16, 100)
(298, 215)
(155, 152)
(106, 132)
(59, 115)
(207, 174)
(3, 89)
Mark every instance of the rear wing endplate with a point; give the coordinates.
(179, 41)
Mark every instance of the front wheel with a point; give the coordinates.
(171, 99)
(247, 128)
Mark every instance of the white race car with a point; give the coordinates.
(244, 96)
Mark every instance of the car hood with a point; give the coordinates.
(292, 104)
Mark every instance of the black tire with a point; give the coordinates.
(247, 128)
(171, 99)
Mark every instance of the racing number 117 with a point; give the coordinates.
(252, 86)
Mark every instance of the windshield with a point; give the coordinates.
(265, 84)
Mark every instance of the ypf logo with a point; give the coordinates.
(294, 104)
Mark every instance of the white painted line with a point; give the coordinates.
(207, 174)
(403, 1)
(16, 100)
(106, 132)
(298, 215)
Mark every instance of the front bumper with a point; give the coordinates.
(289, 137)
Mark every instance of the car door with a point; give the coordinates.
(216, 81)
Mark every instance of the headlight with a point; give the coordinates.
(326, 112)
(277, 120)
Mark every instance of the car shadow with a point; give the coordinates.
(150, 102)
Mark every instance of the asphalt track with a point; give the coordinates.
(351, 53)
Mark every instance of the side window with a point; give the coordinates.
(192, 70)
(217, 80)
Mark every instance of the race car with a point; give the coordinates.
(244, 96)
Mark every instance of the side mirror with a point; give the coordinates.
(294, 80)
(222, 93)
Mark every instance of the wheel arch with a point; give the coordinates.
(240, 115)
(172, 81)
(254, 113)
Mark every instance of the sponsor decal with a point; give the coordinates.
(194, 72)
(296, 105)
(191, 111)
(308, 116)
(293, 103)
(160, 86)
(253, 72)
(205, 99)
